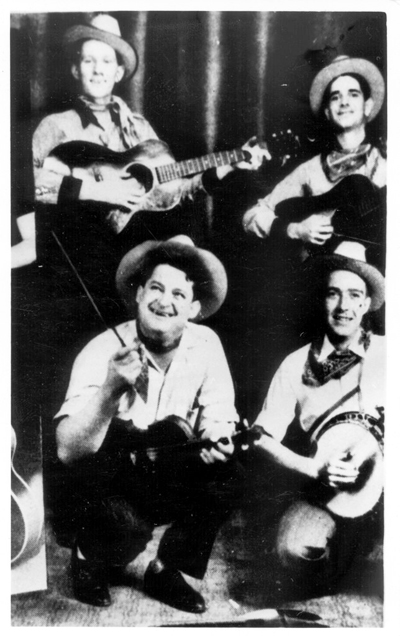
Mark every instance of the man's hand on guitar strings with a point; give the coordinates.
(125, 191)
(316, 229)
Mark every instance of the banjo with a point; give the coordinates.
(344, 436)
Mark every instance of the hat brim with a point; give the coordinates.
(84, 32)
(212, 288)
(349, 65)
(375, 281)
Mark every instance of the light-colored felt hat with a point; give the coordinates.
(179, 251)
(343, 65)
(104, 27)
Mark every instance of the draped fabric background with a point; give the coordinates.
(207, 81)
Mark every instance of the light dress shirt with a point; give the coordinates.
(197, 383)
(289, 396)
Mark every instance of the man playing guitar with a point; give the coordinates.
(349, 93)
(101, 59)
(321, 424)
(98, 218)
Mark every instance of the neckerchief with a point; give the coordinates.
(120, 113)
(340, 163)
(318, 372)
(142, 381)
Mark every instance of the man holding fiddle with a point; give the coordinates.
(169, 368)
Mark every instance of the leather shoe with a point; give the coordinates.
(89, 582)
(169, 586)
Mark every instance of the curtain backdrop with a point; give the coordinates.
(209, 81)
(206, 80)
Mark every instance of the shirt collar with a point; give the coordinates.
(356, 346)
(188, 341)
(86, 115)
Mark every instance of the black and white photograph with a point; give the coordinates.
(200, 257)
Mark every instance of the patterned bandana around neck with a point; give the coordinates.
(340, 163)
(338, 363)
(121, 116)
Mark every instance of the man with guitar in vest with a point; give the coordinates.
(100, 60)
(97, 209)
(168, 383)
(321, 426)
(349, 93)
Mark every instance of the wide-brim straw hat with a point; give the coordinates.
(350, 256)
(342, 65)
(211, 283)
(105, 28)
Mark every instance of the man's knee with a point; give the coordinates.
(113, 531)
(304, 537)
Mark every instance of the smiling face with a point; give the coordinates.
(346, 302)
(97, 70)
(347, 108)
(166, 303)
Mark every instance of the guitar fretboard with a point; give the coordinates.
(171, 171)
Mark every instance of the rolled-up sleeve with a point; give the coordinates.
(279, 407)
(88, 374)
(216, 395)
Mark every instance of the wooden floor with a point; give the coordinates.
(239, 580)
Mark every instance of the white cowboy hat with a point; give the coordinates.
(342, 65)
(180, 252)
(105, 28)
(350, 256)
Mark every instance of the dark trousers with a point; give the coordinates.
(312, 547)
(116, 516)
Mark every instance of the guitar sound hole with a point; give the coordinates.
(142, 174)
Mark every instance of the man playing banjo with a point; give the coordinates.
(331, 470)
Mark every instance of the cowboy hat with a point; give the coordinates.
(105, 28)
(203, 267)
(350, 256)
(343, 65)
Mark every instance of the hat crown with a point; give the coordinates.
(104, 22)
(351, 249)
(340, 58)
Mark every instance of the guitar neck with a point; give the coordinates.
(172, 171)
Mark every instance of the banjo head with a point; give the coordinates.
(339, 438)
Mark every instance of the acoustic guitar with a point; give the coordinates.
(26, 514)
(152, 164)
(356, 207)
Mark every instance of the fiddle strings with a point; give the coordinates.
(85, 289)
